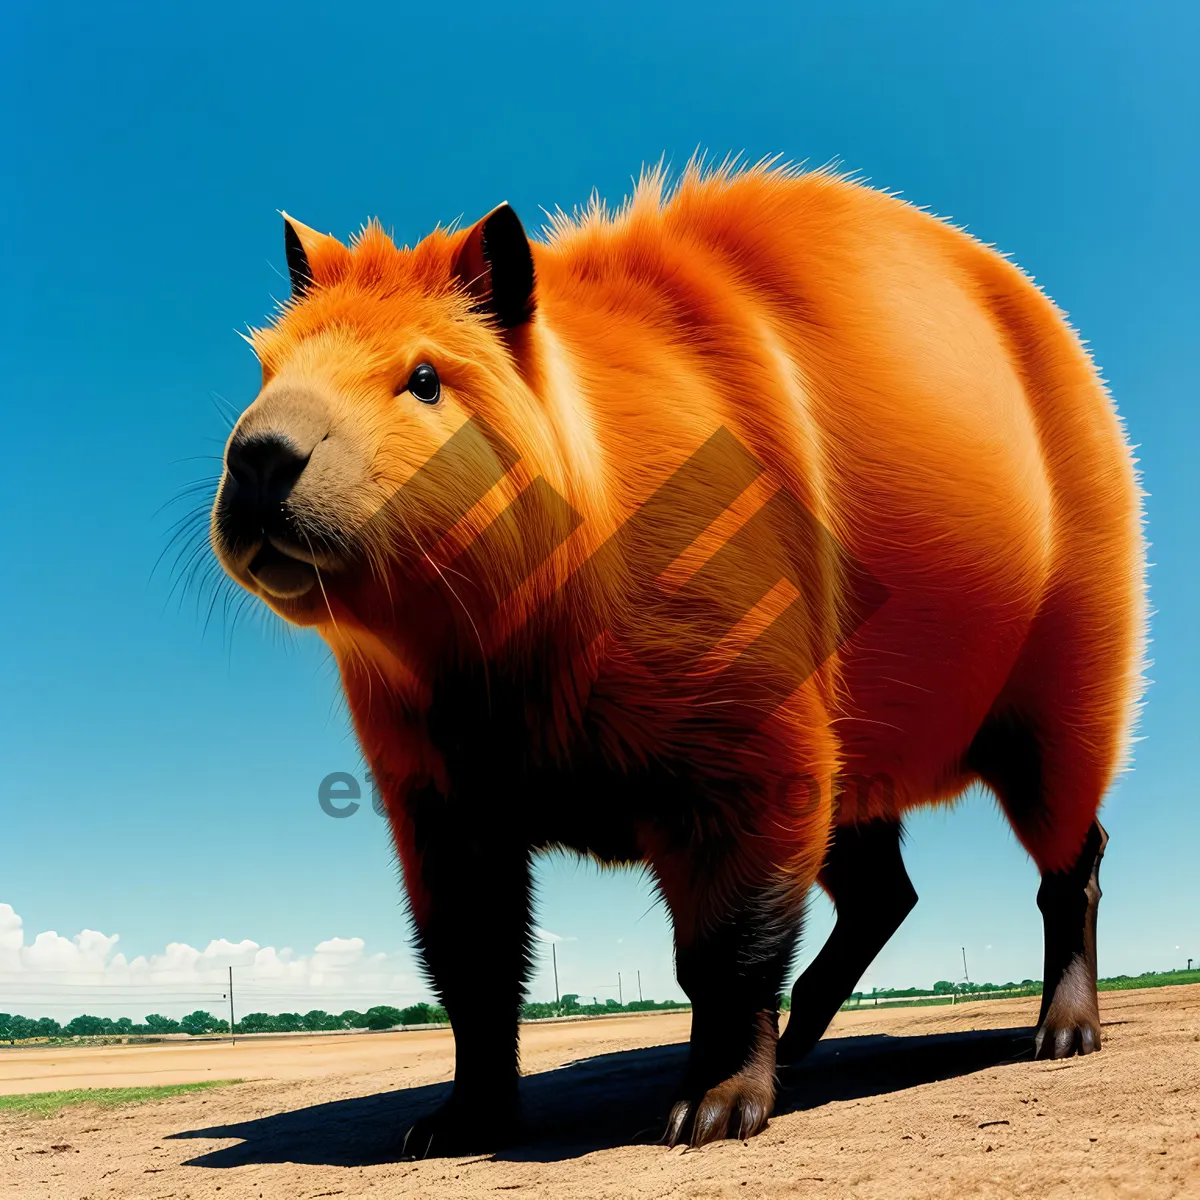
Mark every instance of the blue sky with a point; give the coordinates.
(158, 782)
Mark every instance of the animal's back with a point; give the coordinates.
(936, 414)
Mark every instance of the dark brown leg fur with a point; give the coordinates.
(1070, 1018)
(732, 973)
(474, 890)
(1008, 755)
(865, 877)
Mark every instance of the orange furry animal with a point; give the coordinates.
(713, 534)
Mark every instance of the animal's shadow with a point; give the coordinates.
(610, 1100)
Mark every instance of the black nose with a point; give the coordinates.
(261, 471)
(265, 468)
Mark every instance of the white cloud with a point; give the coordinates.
(544, 935)
(61, 977)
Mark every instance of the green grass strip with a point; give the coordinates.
(45, 1104)
(1118, 983)
(1122, 983)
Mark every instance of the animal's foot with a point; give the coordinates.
(1062, 1034)
(466, 1124)
(739, 1107)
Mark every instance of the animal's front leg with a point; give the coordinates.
(469, 886)
(731, 959)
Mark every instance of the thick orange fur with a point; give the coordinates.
(910, 387)
(908, 557)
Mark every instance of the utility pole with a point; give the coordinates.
(620, 994)
(554, 959)
(231, 1004)
(640, 980)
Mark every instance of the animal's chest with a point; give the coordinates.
(504, 766)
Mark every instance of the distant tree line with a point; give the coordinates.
(944, 987)
(382, 1016)
(1027, 987)
(569, 1006)
(385, 1016)
(16, 1028)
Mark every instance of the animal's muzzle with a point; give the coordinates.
(261, 471)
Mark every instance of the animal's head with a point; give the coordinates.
(394, 382)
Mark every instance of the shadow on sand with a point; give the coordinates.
(610, 1100)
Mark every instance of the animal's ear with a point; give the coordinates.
(495, 266)
(312, 257)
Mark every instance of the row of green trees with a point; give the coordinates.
(17, 1028)
(385, 1016)
(569, 1006)
(944, 987)
(1027, 987)
(382, 1016)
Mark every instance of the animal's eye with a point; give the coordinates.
(425, 385)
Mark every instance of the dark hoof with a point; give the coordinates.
(739, 1107)
(1063, 1038)
(463, 1127)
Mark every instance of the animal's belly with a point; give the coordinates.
(918, 680)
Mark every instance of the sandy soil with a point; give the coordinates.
(901, 1103)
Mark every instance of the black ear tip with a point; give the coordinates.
(507, 247)
(503, 227)
(297, 259)
(505, 214)
(495, 265)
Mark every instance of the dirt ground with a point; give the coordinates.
(917, 1102)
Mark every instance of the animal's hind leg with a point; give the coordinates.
(1047, 803)
(1070, 1018)
(865, 877)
